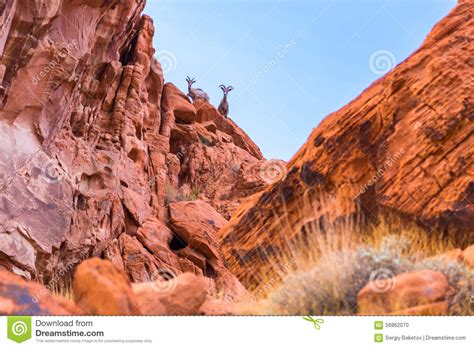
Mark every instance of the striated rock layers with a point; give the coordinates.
(402, 150)
(95, 147)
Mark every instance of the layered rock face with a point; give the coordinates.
(94, 148)
(402, 150)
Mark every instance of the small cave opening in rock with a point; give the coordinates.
(127, 54)
(131, 223)
(176, 243)
(179, 120)
(92, 183)
(139, 132)
(135, 155)
(81, 202)
(209, 271)
(123, 183)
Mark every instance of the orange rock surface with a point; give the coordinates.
(402, 150)
(95, 145)
(404, 291)
(102, 289)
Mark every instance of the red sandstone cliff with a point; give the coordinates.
(99, 157)
(98, 153)
(402, 150)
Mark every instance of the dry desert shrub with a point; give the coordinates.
(334, 266)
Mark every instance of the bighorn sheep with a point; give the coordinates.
(196, 93)
(224, 105)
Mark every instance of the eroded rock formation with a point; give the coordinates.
(99, 157)
(402, 150)
(95, 146)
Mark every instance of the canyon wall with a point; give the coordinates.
(99, 157)
(401, 152)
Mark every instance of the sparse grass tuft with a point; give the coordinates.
(62, 284)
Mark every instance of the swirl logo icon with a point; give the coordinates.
(168, 61)
(164, 280)
(19, 329)
(382, 280)
(381, 62)
(51, 172)
(273, 171)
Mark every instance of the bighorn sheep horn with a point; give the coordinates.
(196, 93)
(224, 105)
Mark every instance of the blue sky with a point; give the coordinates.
(291, 62)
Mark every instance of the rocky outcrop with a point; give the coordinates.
(96, 145)
(101, 159)
(212, 156)
(102, 289)
(183, 295)
(405, 291)
(401, 151)
(76, 78)
(196, 225)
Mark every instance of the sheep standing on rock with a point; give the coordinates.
(196, 93)
(224, 105)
